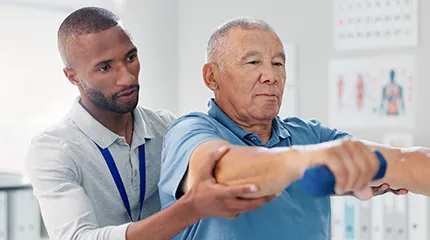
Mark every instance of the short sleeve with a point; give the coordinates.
(325, 133)
(180, 141)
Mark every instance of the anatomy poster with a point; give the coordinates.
(372, 92)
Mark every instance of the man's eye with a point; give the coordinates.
(104, 68)
(278, 64)
(253, 62)
(131, 58)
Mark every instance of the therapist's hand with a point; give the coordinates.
(385, 188)
(211, 199)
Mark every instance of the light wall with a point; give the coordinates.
(308, 23)
(34, 91)
(171, 37)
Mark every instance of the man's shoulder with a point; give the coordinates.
(55, 142)
(58, 132)
(156, 121)
(308, 129)
(296, 122)
(301, 128)
(195, 119)
(158, 116)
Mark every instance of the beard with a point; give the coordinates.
(112, 102)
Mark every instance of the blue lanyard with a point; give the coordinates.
(118, 181)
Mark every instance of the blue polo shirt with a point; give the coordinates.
(292, 215)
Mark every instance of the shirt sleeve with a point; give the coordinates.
(180, 141)
(66, 209)
(324, 133)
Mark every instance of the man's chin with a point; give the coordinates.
(268, 111)
(124, 108)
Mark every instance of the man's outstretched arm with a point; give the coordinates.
(352, 162)
(272, 170)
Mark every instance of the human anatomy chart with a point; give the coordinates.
(372, 92)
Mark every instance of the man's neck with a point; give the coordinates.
(120, 124)
(264, 131)
(263, 128)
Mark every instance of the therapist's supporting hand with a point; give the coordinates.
(385, 188)
(210, 199)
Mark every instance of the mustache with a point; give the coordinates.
(126, 89)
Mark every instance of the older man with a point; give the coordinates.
(246, 72)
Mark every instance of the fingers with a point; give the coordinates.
(346, 154)
(245, 205)
(401, 191)
(215, 156)
(364, 194)
(398, 191)
(239, 205)
(381, 189)
(234, 203)
(336, 166)
(385, 188)
(371, 160)
(365, 161)
(232, 216)
(239, 191)
(353, 165)
(207, 171)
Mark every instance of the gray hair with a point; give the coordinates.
(218, 43)
(83, 21)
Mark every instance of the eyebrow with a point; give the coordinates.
(102, 63)
(106, 62)
(282, 55)
(250, 54)
(133, 50)
(257, 53)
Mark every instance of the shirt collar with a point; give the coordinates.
(216, 113)
(278, 129)
(102, 135)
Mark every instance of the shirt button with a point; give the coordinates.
(253, 139)
(135, 173)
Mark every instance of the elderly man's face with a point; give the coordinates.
(253, 75)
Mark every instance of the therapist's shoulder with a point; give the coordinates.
(59, 134)
(53, 146)
(158, 119)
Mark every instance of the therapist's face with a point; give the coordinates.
(105, 67)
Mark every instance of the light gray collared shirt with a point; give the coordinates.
(77, 195)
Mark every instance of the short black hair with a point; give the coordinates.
(83, 21)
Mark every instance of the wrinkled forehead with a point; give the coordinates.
(265, 42)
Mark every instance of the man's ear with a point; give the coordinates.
(71, 75)
(210, 70)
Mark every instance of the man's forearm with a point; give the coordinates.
(407, 168)
(165, 224)
(271, 170)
